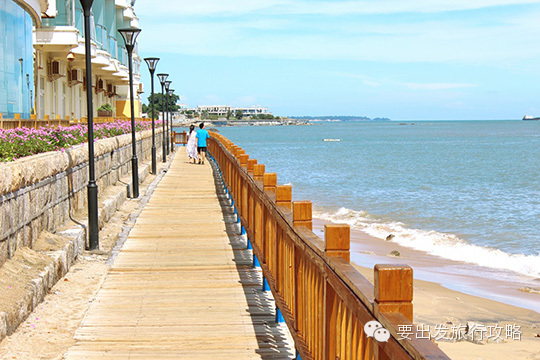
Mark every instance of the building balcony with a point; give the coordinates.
(121, 3)
(57, 38)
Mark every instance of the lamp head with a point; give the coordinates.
(152, 63)
(70, 56)
(167, 84)
(170, 91)
(86, 4)
(162, 78)
(130, 36)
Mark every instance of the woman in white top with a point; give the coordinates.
(191, 147)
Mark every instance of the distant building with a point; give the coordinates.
(223, 110)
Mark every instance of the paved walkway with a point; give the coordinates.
(182, 286)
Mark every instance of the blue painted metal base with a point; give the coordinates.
(256, 262)
(279, 316)
(243, 231)
(297, 357)
(249, 247)
(265, 285)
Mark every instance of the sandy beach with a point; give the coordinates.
(451, 294)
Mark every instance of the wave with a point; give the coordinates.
(444, 245)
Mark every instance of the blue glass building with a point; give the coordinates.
(16, 60)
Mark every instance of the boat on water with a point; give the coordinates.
(529, 117)
(331, 139)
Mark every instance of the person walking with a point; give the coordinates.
(202, 136)
(191, 147)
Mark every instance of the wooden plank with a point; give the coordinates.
(182, 286)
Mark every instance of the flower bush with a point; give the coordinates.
(20, 142)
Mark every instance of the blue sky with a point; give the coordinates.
(416, 59)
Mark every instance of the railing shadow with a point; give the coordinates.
(273, 339)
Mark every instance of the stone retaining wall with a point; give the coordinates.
(40, 192)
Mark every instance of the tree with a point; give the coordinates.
(204, 114)
(159, 104)
(229, 114)
(239, 114)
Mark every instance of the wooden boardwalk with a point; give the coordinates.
(182, 286)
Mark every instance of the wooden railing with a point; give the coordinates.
(179, 138)
(325, 301)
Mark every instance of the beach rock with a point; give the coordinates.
(395, 253)
(390, 237)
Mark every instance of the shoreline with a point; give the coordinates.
(496, 285)
(442, 298)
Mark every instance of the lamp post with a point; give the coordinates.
(162, 79)
(93, 227)
(171, 92)
(130, 36)
(152, 63)
(167, 84)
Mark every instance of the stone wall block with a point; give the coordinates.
(4, 256)
(6, 178)
(7, 218)
(27, 236)
(20, 239)
(3, 324)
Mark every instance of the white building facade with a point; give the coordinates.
(60, 76)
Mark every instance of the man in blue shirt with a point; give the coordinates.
(202, 135)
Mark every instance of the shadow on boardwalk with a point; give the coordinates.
(273, 338)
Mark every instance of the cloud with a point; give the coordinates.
(492, 37)
(366, 80)
(211, 99)
(184, 8)
(438, 86)
(247, 100)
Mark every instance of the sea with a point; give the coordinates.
(467, 191)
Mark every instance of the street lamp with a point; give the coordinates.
(171, 92)
(93, 227)
(152, 63)
(162, 79)
(167, 84)
(130, 36)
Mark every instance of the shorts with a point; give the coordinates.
(201, 149)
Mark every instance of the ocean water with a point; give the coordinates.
(463, 190)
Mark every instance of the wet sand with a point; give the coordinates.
(449, 293)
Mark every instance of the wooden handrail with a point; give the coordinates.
(325, 301)
(179, 138)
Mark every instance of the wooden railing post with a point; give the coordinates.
(258, 172)
(243, 158)
(302, 214)
(337, 240)
(270, 182)
(284, 196)
(251, 165)
(394, 290)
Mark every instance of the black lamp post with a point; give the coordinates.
(171, 92)
(93, 227)
(167, 84)
(162, 79)
(130, 36)
(152, 63)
